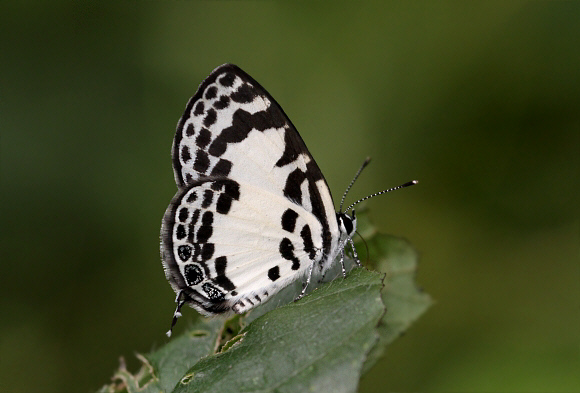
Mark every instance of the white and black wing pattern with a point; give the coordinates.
(253, 211)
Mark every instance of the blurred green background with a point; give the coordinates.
(480, 101)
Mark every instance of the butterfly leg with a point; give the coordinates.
(177, 312)
(307, 283)
(342, 261)
(355, 255)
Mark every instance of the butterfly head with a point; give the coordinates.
(346, 223)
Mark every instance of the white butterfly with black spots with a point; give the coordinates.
(253, 211)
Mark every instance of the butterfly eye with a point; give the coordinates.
(345, 223)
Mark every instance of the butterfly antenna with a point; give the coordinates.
(364, 164)
(410, 183)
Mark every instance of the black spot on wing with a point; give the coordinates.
(193, 274)
(292, 189)
(220, 265)
(222, 103)
(206, 229)
(210, 118)
(292, 147)
(185, 156)
(222, 168)
(289, 220)
(207, 198)
(194, 218)
(228, 79)
(180, 232)
(245, 94)
(274, 273)
(183, 214)
(307, 243)
(192, 197)
(201, 162)
(224, 203)
(203, 138)
(207, 250)
(199, 108)
(222, 280)
(184, 252)
(287, 252)
(189, 131)
(212, 292)
(211, 93)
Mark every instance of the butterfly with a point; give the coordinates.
(253, 212)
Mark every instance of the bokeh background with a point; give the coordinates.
(480, 101)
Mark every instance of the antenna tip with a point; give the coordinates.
(409, 183)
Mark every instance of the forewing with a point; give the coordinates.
(230, 245)
(233, 128)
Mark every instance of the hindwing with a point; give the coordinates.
(231, 245)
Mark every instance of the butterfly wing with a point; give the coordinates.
(229, 252)
(271, 211)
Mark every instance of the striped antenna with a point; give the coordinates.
(364, 164)
(411, 183)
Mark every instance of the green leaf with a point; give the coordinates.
(174, 359)
(405, 301)
(324, 342)
(316, 344)
(163, 369)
